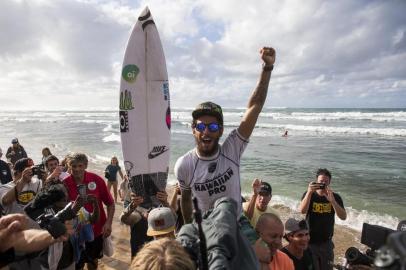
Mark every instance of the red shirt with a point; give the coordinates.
(94, 185)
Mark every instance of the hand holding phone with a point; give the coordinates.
(82, 191)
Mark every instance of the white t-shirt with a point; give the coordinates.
(27, 194)
(214, 177)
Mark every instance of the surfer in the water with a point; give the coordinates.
(210, 170)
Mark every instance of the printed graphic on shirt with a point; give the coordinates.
(216, 185)
(321, 208)
(26, 196)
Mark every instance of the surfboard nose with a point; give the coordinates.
(145, 14)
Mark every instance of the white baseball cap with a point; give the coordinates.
(161, 221)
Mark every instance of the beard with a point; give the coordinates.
(207, 150)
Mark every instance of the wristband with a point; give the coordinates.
(266, 67)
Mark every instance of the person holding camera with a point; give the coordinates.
(15, 236)
(321, 204)
(14, 196)
(96, 186)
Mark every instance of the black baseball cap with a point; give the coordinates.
(293, 225)
(265, 189)
(208, 108)
(15, 140)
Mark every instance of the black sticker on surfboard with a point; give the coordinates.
(124, 121)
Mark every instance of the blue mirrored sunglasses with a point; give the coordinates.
(213, 127)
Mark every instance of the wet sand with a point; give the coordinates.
(343, 239)
(121, 241)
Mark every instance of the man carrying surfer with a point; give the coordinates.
(210, 170)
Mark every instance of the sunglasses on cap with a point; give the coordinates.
(213, 127)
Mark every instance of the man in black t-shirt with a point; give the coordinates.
(320, 204)
(297, 234)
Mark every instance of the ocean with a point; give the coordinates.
(365, 149)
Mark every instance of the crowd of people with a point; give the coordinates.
(58, 215)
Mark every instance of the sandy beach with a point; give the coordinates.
(343, 239)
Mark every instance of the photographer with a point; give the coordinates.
(23, 189)
(15, 237)
(321, 204)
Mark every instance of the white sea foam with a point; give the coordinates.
(327, 130)
(345, 130)
(338, 116)
(99, 159)
(112, 138)
(110, 127)
(355, 218)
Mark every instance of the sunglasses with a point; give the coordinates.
(213, 127)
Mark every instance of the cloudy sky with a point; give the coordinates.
(65, 54)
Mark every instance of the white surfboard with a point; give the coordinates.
(145, 118)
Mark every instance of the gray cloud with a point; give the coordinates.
(329, 53)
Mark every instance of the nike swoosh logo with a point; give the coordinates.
(153, 154)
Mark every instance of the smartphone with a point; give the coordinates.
(82, 190)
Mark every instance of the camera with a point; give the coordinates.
(44, 200)
(41, 210)
(38, 171)
(379, 256)
(55, 224)
(319, 185)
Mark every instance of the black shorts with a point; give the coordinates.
(93, 250)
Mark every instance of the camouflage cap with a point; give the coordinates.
(208, 108)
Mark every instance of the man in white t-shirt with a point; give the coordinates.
(259, 202)
(14, 196)
(210, 170)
